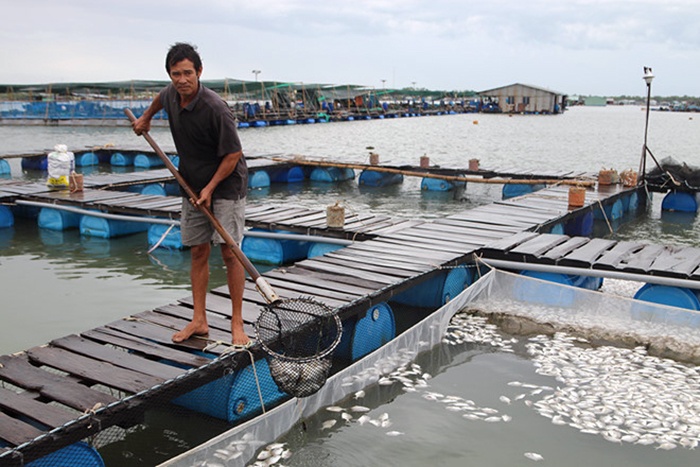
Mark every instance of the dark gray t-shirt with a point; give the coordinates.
(205, 131)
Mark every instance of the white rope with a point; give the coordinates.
(165, 234)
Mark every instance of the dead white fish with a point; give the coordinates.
(394, 433)
(328, 424)
(335, 408)
(264, 455)
(346, 416)
(504, 399)
(363, 419)
(533, 456)
(493, 419)
(359, 394)
(359, 408)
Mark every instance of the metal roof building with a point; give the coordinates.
(523, 98)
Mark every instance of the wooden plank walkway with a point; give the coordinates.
(139, 366)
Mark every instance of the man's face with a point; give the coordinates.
(185, 78)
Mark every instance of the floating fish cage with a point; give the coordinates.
(379, 179)
(363, 335)
(92, 226)
(680, 201)
(57, 219)
(436, 291)
(272, 250)
(680, 297)
(512, 190)
(436, 184)
(235, 397)
(331, 174)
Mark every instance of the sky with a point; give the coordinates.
(574, 47)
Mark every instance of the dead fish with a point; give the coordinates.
(335, 408)
(359, 394)
(359, 408)
(394, 433)
(533, 456)
(328, 424)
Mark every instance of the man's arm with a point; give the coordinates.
(143, 123)
(226, 168)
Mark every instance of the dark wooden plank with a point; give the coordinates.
(312, 290)
(144, 347)
(154, 332)
(462, 230)
(16, 432)
(444, 237)
(397, 226)
(361, 264)
(679, 261)
(506, 244)
(618, 254)
(565, 248)
(97, 372)
(404, 238)
(642, 260)
(418, 264)
(383, 261)
(29, 407)
(219, 328)
(18, 371)
(315, 265)
(478, 225)
(317, 282)
(587, 254)
(378, 246)
(116, 357)
(539, 245)
(333, 277)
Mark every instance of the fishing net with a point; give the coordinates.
(299, 336)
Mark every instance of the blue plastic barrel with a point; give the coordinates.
(148, 161)
(86, 159)
(320, 249)
(258, 179)
(437, 290)
(235, 397)
(287, 175)
(373, 178)
(435, 184)
(331, 174)
(5, 168)
(79, 454)
(581, 225)
(119, 159)
(173, 240)
(549, 292)
(630, 202)
(364, 335)
(35, 163)
(55, 219)
(92, 226)
(680, 201)
(172, 189)
(243, 124)
(680, 297)
(153, 189)
(612, 211)
(511, 190)
(273, 251)
(7, 219)
(557, 229)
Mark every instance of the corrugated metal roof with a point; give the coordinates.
(538, 88)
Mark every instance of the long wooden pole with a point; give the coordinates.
(453, 178)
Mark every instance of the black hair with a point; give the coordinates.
(181, 51)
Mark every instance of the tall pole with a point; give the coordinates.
(648, 77)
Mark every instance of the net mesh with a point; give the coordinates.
(299, 336)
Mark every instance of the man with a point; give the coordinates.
(212, 163)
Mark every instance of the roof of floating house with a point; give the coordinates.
(489, 92)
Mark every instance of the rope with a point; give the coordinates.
(605, 216)
(161, 239)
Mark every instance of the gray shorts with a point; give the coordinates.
(196, 229)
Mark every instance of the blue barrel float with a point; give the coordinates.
(148, 161)
(86, 159)
(272, 250)
(550, 293)
(373, 178)
(511, 190)
(56, 219)
(35, 163)
(7, 219)
(436, 184)
(120, 159)
(613, 211)
(172, 241)
(581, 225)
(364, 335)
(235, 397)
(331, 174)
(680, 201)
(258, 179)
(153, 189)
(437, 290)
(5, 167)
(320, 249)
(630, 202)
(92, 226)
(79, 454)
(680, 297)
(287, 175)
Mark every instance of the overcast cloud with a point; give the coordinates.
(584, 47)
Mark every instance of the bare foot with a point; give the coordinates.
(192, 329)
(240, 338)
